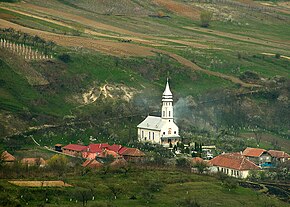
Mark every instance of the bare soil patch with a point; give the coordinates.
(56, 183)
(106, 46)
(180, 8)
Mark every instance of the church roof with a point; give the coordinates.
(151, 122)
(167, 91)
(167, 95)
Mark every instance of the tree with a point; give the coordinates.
(83, 195)
(201, 166)
(58, 164)
(183, 163)
(115, 190)
(205, 18)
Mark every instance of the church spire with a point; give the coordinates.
(167, 95)
(167, 103)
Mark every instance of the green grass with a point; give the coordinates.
(167, 188)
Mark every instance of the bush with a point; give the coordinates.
(64, 58)
(277, 56)
(205, 18)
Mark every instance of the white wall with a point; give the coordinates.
(230, 172)
(147, 138)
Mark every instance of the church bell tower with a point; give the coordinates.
(167, 104)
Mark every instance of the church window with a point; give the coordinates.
(174, 132)
(142, 134)
(149, 135)
(169, 131)
(163, 113)
(153, 135)
(168, 113)
(164, 133)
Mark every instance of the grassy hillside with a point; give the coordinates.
(119, 55)
(138, 188)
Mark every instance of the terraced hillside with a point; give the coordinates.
(110, 60)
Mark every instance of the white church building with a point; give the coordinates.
(160, 130)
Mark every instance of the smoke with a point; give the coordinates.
(190, 115)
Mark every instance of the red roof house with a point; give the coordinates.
(132, 154)
(233, 164)
(74, 149)
(279, 155)
(253, 152)
(259, 156)
(7, 157)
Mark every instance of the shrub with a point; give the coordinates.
(205, 18)
(277, 55)
(64, 58)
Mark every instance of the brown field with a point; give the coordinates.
(56, 183)
(179, 8)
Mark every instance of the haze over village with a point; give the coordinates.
(144, 103)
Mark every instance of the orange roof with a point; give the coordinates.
(7, 157)
(278, 154)
(89, 155)
(94, 164)
(133, 152)
(234, 161)
(253, 152)
(33, 161)
(106, 153)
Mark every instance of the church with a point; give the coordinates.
(160, 130)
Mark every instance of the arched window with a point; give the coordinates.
(168, 113)
(163, 113)
(142, 134)
(149, 135)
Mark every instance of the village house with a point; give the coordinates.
(160, 130)
(7, 158)
(259, 156)
(74, 149)
(232, 164)
(132, 154)
(278, 156)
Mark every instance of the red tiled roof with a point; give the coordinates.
(123, 149)
(115, 147)
(7, 157)
(253, 152)
(234, 161)
(92, 164)
(75, 147)
(132, 152)
(89, 155)
(97, 147)
(278, 154)
(106, 153)
(85, 163)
